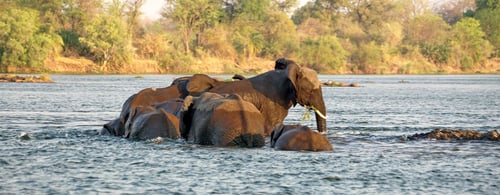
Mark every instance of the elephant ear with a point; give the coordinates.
(186, 116)
(276, 133)
(130, 119)
(187, 102)
(305, 81)
(293, 71)
(308, 80)
(199, 83)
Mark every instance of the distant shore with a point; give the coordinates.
(63, 65)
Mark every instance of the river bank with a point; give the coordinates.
(210, 65)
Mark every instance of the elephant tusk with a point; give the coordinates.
(320, 114)
(316, 111)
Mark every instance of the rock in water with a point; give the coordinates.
(24, 136)
(448, 134)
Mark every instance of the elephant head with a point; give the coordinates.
(308, 92)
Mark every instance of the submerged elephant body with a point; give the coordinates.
(298, 137)
(223, 120)
(161, 120)
(180, 88)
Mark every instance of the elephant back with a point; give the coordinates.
(225, 120)
(303, 138)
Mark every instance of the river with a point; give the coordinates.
(367, 126)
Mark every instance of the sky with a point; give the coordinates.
(152, 8)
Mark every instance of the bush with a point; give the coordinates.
(323, 54)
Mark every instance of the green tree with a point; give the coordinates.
(254, 10)
(488, 13)
(368, 58)
(218, 42)
(51, 13)
(22, 44)
(133, 13)
(108, 41)
(327, 11)
(78, 14)
(246, 37)
(324, 53)
(430, 33)
(453, 11)
(260, 29)
(280, 35)
(373, 17)
(192, 17)
(469, 45)
(285, 6)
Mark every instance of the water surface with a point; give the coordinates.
(367, 127)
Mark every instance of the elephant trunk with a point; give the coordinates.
(318, 105)
(321, 118)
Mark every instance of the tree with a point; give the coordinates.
(259, 28)
(488, 13)
(372, 17)
(133, 13)
(78, 14)
(280, 35)
(323, 54)
(327, 11)
(192, 17)
(453, 11)
(468, 43)
(254, 10)
(22, 43)
(246, 37)
(285, 5)
(51, 13)
(108, 41)
(430, 33)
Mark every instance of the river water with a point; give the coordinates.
(367, 126)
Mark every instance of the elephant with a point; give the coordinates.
(298, 137)
(276, 91)
(222, 120)
(179, 88)
(160, 120)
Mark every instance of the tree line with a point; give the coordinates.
(330, 36)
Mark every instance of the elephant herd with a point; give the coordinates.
(208, 111)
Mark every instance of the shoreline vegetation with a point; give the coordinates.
(65, 65)
(246, 37)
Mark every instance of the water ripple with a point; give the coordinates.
(367, 127)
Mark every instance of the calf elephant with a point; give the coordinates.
(159, 120)
(298, 137)
(276, 91)
(223, 120)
